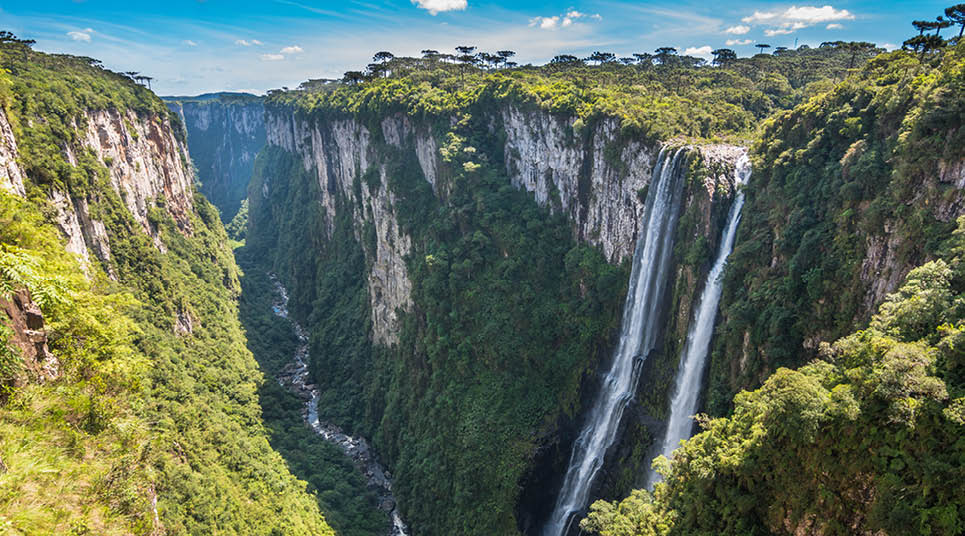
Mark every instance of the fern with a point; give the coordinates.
(19, 269)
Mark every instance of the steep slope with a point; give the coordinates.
(225, 131)
(458, 292)
(855, 187)
(850, 192)
(865, 439)
(150, 421)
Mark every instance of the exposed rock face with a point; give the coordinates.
(597, 183)
(882, 270)
(25, 319)
(225, 133)
(11, 176)
(147, 167)
(338, 152)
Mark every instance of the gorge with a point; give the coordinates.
(483, 300)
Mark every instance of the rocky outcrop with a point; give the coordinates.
(29, 338)
(146, 167)
(597, 181)
(11, 176)
(338, 152)
(225, 132)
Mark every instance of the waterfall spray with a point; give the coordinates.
(638, 337)
(693, 360)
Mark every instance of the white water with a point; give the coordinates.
(693, 360)
(295, 376)
(638, 336)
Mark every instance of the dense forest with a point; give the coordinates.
(456, 233)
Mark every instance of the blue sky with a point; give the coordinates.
(195, 46)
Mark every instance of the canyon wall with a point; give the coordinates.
(147, 166)
(225, 132)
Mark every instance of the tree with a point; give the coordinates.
(491, 60)
(602, 57)
(941, 24)
(430, 54)
(723, 56)
(781, 51)
(382, 57)
(465, 50)
(627, 61)
(353, 77)
(956, 14)
(505, 55)
(923, 44)
(565, 59)
(644, 59)
(9, 37)
(856, 47)
(762, 46)
(923, 26)
(664, 55)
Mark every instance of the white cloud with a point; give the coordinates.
(294, 49)
(248, 43)
(562, 21)
(82, 35)
(740, 29)
(835, 26)
(438, 6)
(700, 52)
(544, 23)
(272, 57)
(189, 42)
(796, 18)
(889, 46)
(732, 42)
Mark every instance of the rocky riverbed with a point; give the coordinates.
(294, 376)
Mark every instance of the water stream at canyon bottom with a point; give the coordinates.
(295, 376)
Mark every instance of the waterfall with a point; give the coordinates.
(693, 360)
(638, 336)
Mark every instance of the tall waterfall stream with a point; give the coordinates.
(638, 337)
(295, 377)
(693, 360)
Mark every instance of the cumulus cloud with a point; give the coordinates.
(294, 49)
(248, 43)
(732, 42)
(189, 42)
(561, 21)
(740, 29)
(272, 57)
(796, 18)
(438, 6)
(700, 52)
(82, 35)
(835, 26)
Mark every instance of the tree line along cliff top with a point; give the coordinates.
(660, 96)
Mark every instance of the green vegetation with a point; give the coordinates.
(509, 316)
(869, 435)
(224, 133)
(143, 411)
(677, 98)
(349, 506)
(860, 164)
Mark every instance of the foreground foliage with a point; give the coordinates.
(857, 180)
(147, 429)
(868, 437)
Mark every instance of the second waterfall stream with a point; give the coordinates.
(638, 337)
(693, 360)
